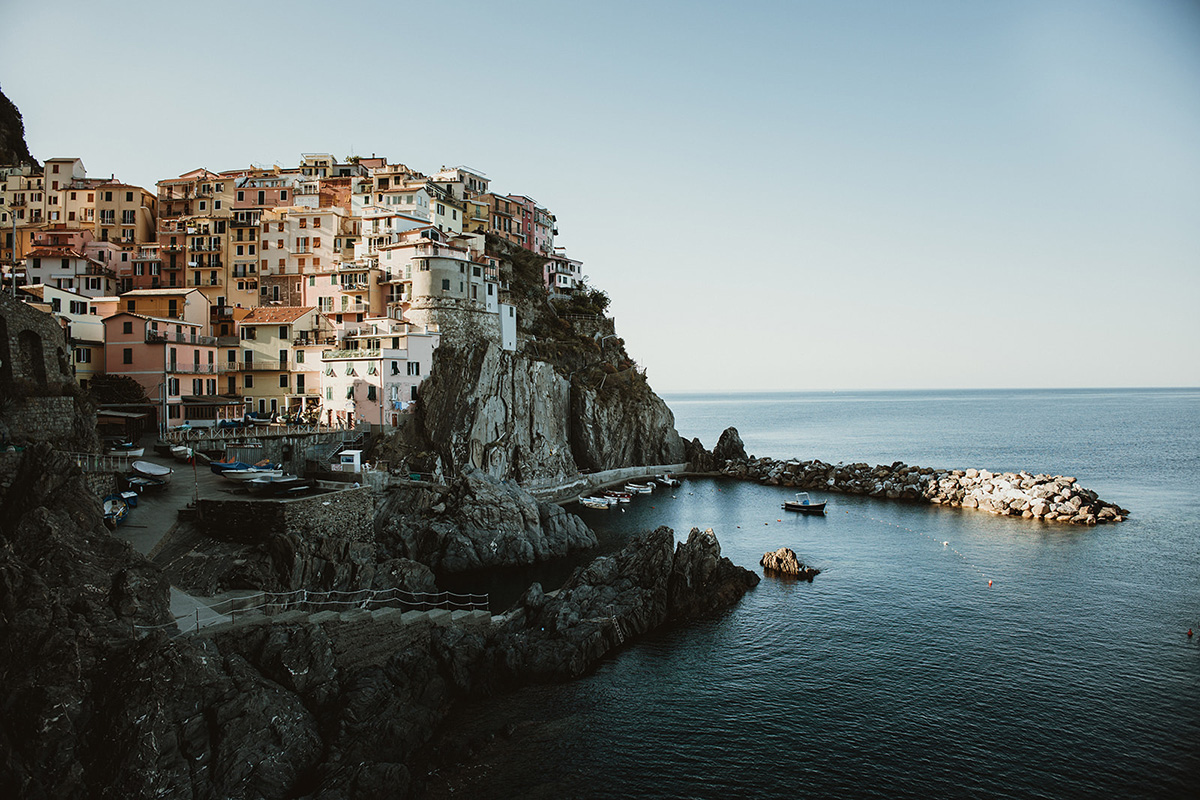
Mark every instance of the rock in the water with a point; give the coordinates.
(784, 560)
(729, 447)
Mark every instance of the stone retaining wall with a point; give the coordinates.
(1045, 497)
(347, 514)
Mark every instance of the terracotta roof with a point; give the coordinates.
(153, 319)
(264, 315)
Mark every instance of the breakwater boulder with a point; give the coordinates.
(784, 561)
(650, 582)
(1045, 497)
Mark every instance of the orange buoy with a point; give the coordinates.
(1189, 633)
(989, 583)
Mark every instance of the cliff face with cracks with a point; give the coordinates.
(568, 399)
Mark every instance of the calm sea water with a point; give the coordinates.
(898, 672)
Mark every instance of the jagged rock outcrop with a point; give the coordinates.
(729, 446)
(648, 583)
(13, 148)
(784, 561)
(477, 521)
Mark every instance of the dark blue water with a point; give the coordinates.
(898, 671)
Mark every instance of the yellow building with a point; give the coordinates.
(274, 364)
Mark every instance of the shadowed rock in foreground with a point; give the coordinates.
(648, 583)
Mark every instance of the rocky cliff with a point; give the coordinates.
(476, 521)
(13, 149)
(569, 398)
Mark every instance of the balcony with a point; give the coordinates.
(154, 337)
(263, 366)
(356, 353)
(192, 369)
(228, 341)
(302, 341)
(218, 281)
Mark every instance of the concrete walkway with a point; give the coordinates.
(191, 614)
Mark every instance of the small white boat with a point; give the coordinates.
(277, 484)
(666, 480)
(243, 475)
(593, 502)
(149, 469)
(181, 453)
(621, 497)
(125, 450)
(803, 504)
(639, 488)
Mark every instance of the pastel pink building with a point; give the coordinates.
(176, 366)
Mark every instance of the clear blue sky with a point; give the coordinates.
(791, 196)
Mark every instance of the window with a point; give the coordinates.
(83, 355)
(414, 368)
(283, 331)
(328, 392)
(173, 387)
(249, 382)
(303, 222)
(445, 284)
(283, 195)
(316, 222)
(299, 356)
(370, 392)
(283, 381)
(127, 355)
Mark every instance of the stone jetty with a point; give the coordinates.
(1011, 494)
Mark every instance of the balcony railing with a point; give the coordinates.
(314, 340)
(218, 281)
(263, 366)
(193, 369)
(355, 353)
(154, 337)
